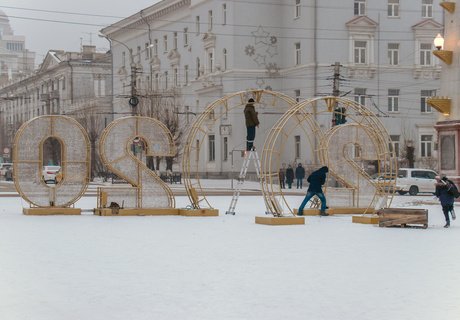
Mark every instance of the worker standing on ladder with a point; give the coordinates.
(252, 122)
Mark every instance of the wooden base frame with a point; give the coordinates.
(137, 212)
(199, 212)
(332, 211)
(50, 211)
(280, 221)
(371, 219)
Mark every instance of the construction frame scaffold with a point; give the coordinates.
(347, 148)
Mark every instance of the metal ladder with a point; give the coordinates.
(249, 156)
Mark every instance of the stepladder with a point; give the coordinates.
(249, 156)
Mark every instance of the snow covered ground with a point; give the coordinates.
(227, 267)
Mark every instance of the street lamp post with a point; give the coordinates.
(133, 100)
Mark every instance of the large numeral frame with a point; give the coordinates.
(28, 161)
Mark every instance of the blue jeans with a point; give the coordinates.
(251, 135)
(310, 195)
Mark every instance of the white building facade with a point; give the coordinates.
(196, 51)
(76, 84)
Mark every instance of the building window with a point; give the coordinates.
(138, 54)
(426, 145)
(393, 100)
(166, 80)
(175, 40)
(210, 61)
(176, 77)
(165, 43)
(197, 148)
(224, 14)
(147, 51)
(360, 51)
(393, 54)
(123, 59)
(360, 96)
(224, 53)
(394, 146)
(155, 47)
(297, 53)
(297, 95)
(157, 81)
(197, 24)
(360, 7)
(225, 158)
(212, 147)
(425, 54)
(427, 8)
(297, 146)
(198, 66)
(210, 22)
(63, 84)
(424, 95)
(297, 9)
(185, 37)
(186, 74)
(393, 8)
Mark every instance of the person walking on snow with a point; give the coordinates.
(299, 175)
(316, 180)
(252, 122)
(289, 176)
(445, 197)
(282, 176)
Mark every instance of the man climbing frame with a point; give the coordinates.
(252, 122)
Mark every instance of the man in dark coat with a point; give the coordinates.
(316, 180)
(445, 197)
(299, 175)
(252, 122)
(289, 176)
(282, 176)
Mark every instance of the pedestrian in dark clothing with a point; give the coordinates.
(9, 174)
(316, 180)
(282, 176)
(289, 176)
(252, 122)
(299, 175)
(445, 197)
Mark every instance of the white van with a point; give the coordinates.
(3, 167)
(415, 181)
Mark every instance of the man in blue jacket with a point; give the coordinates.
(316, 180)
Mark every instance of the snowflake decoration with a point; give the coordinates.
(272, 68)
(273, 40)
(260, 82)
(250, 50)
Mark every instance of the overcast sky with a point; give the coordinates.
(69, 22)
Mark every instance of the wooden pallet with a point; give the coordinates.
(403, 218)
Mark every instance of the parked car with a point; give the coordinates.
(3, 167)
(415, 181)
(386, 182)
(49, 173)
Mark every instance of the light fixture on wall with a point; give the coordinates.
(444, 55)
(448, 5)
(439, 42)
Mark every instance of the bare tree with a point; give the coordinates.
(163, 107)
(94, 123)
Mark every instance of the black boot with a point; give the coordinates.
(447, 224)
(323, 213)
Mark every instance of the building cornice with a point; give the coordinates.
(150, 14)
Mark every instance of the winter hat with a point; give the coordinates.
(251, 100)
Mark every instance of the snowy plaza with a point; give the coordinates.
(225, 267)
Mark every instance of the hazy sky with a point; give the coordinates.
(65, 24)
